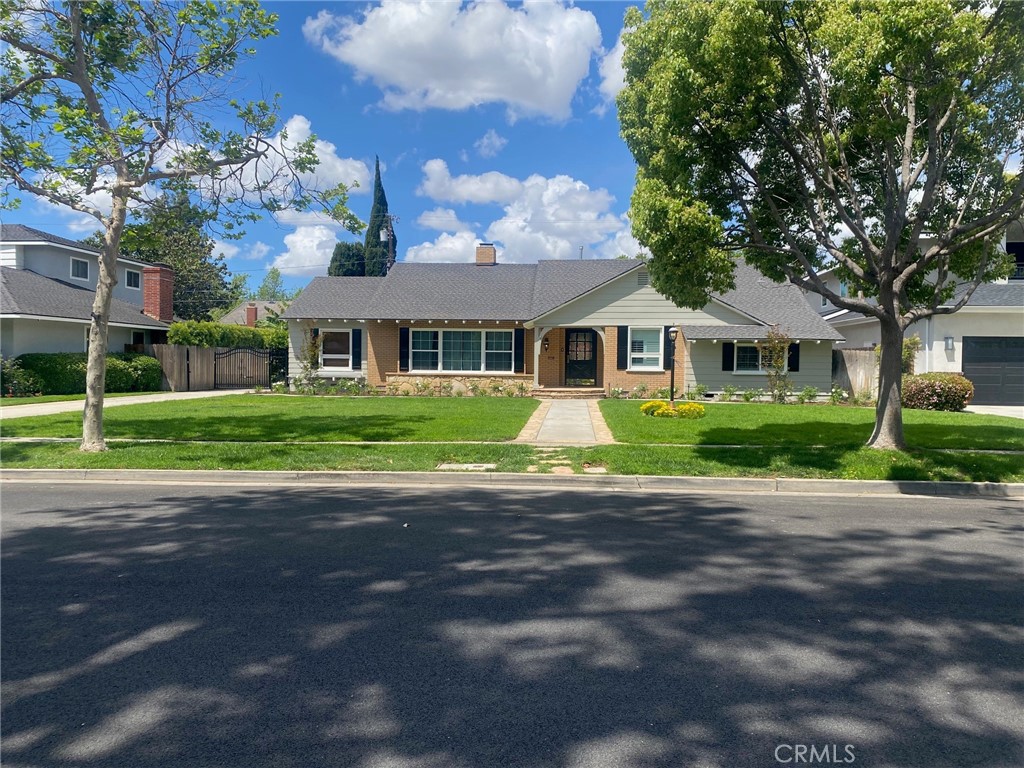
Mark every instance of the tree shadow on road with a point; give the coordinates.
(371, 627)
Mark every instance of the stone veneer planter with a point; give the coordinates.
(460, 383)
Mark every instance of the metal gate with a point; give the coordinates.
(247, 367)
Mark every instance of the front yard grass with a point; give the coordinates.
(265, 418)
(790, 426)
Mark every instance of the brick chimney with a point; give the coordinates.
(250, 314)
(158, 292)
(486, 255)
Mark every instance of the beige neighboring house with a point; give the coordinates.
(984, 340)
(48, 286)
(589, 324)
(250, 312)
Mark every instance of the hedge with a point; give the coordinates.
(16, 382)
(204, 334)
(937, 392)
(63, 373)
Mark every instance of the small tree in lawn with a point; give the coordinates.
(774, 361)
(873, 137)
(107, 104)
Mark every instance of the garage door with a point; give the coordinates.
(996, 366)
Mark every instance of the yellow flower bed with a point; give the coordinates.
(665, 410)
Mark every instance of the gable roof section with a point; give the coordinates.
(19, 233)
(524, 292)
(1009, 294)
(26, 293)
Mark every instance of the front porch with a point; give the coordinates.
(569, 362)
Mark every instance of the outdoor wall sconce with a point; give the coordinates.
(949, 343)
(546, 344)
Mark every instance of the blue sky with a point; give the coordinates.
(493, 122)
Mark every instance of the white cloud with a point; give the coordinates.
(613, 76)
(458, 247)
(257, 251)
(490, 144)
(543, 218)
(491, 187)
(443, 220)
(442, 55)
(309, 251)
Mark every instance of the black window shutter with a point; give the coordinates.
(728, 356)
(403, 349)
(794, 358)
(622, 363)
(357, 348)
(667, 341)
(315, 332)
(518, 353)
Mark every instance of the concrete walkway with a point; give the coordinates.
(566, 422)
(72, 406)
(1013, 411)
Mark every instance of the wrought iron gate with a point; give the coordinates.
(246, 367)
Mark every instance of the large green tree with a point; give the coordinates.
(874, 137)
(272, 288)
(378, 253)
(104, 102)
(172, 230)
(347, 260)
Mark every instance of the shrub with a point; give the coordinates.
(752, 395)
(937, 391)
(640, 391)
(651, 406)
(691, 411)
(203, 334)
(617, 393)
(729, 392)
(699, 392)
(837, 396)
(807, 395)
(16, 382)
(63, 373)
(447, 389)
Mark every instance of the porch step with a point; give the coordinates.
(568, 393)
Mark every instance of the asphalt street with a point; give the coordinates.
(155, 625)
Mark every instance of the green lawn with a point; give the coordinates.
(5, 401)
(262, 418)
(789, 426)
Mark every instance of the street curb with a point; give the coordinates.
(517, 480)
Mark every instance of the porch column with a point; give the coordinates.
(538, 336)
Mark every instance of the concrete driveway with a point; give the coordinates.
(182, 625)
(1013, 411)
(71, 406)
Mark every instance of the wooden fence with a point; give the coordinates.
(855, 370)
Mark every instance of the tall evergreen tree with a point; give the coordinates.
(347, 260)
(376, 251)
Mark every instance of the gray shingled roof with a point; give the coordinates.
(26, 293)
(527, 291)
(1009, 294)
(19, 233)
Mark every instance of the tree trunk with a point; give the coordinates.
(96, 367)
(888, 433)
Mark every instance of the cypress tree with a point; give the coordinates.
(347, 260)
(375, 251)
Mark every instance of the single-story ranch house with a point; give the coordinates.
(553, 324)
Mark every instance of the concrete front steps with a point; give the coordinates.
(568, 393)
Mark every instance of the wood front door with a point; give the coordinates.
(581, 358)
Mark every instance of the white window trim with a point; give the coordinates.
(132, 287)
(88, 269)
(483, 352)
(351, 356)
(760, 367)
(661, 350)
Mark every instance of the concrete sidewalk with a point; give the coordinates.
(72, 406)
(566, 422)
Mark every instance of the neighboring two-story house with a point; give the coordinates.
(594, 324)
(984, 340)
(47, 289)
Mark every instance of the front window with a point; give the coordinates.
(748, 358)
(479, 351)
(336, 349)
(132, 279)
(79, 269)
(645, 349)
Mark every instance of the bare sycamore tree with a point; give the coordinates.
(878, 139)
(110, 103)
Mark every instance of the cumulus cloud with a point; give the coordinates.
(257, 251)
(490, 144)
(542, 218)
(309, 250)
(613, 76)
(443, 220)
(457, 247)
(442, 55)
(491, 187)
